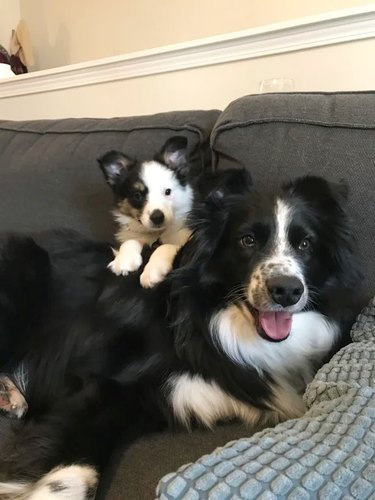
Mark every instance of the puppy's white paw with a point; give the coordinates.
(125, 263)
(154, 273)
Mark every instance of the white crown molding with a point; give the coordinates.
(304, 33)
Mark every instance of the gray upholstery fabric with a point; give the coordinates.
(327, 454)
(136, 471)
(281, 136)
(49, 176)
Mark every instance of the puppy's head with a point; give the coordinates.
(275, 253)
(155, 193)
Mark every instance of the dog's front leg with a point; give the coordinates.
(128, 258)
(159, 265)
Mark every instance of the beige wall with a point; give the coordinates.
(9, 17)
(342, 67)
(71, 31)
(131, 26)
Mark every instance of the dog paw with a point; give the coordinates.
(154, 274)
(124, 264)
(12, 402)
(74, 482)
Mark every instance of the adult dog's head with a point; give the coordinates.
(275, 254)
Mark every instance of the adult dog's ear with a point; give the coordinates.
(329, 200)
(115, 166)
(227, 182)
(174, 153)
(318, 191)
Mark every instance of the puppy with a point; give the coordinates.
(152, 201)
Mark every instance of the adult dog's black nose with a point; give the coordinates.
(157, 217)
(285, 290)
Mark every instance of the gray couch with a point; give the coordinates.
(49, 178)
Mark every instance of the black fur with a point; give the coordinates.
(99, 349)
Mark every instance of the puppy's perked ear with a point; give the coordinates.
(174, 152)
(115, 166)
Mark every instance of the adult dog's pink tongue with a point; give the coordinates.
(276, 325)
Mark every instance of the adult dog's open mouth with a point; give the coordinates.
(274, 326)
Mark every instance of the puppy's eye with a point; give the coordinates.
(305, 244)
(137, 196)
(167, 192)
(248, 240)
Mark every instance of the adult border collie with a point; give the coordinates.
(261, 294)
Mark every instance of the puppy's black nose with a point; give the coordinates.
(157, 217)
(285, 290)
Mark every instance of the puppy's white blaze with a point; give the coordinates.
(158, 178)
(192, 397)
(312, 336)
(175, 207)
(73, 482)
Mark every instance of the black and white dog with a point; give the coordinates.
(260, 296)
(152, 201)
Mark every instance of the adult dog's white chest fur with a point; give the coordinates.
(312, 336)
(192, 397)
(290, 363)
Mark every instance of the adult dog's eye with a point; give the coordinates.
(137, 196)
(167, 192)
(248, 240)
(305, 244)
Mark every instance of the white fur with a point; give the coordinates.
(131, 229)
(127, 259)
(281, 257)
(312, 336)
(175, 207)
(283, 216)
(73, 482)
(174, 233)
(159, 265)
(193, 397)
(12, 490)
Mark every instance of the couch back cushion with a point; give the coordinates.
(281, 136)
(49, 176)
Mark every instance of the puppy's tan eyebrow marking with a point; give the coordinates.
(139, 186)
(127, 209)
